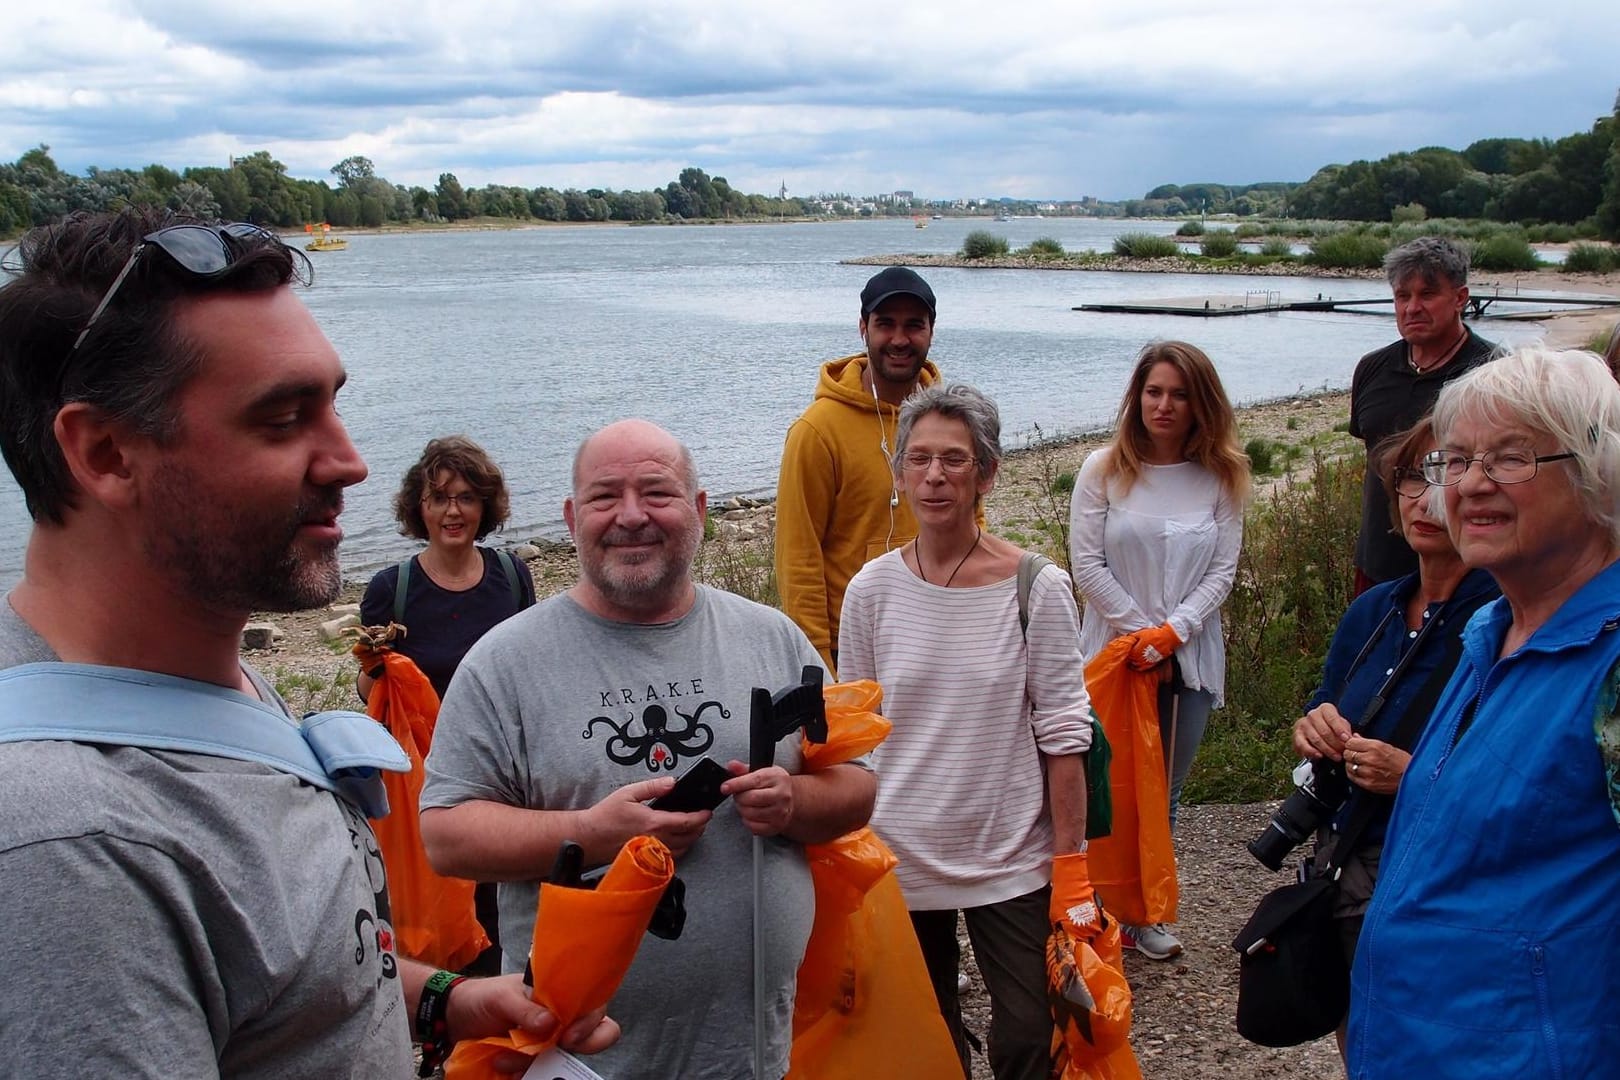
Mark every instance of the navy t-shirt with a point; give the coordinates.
(443, 624)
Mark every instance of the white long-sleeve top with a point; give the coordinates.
(1166, 551)
(961, 795)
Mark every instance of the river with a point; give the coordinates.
(528, 340)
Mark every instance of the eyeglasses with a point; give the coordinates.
(202, 251)
(1410, 482)
(438, 500)
(955, 463)
(1447, 467)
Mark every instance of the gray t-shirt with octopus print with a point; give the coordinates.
(554, 709)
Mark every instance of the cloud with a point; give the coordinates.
(948, 98)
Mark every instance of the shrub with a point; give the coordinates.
(1408, 213)
(1063, 484)
(1145, 246)
(1504, 251)
(1219, 244)
(1348, 250)
(1259, 451)
(1249, 230)
(1292, 585)
(1584, 258)
(1552, 233)
(1045, 248)
(1276, 247)
(983, 244)
(1190, 228)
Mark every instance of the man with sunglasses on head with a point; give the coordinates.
(183, 897)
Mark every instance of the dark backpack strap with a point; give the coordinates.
(509, 570)
(402, 586)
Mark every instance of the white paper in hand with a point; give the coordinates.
(560, 1065)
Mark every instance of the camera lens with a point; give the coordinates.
(1297, 817)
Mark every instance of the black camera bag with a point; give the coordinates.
(1293, 982)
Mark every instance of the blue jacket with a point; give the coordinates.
(1492, 946)
(1350, 685)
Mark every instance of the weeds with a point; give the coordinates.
(305, 693)
(983, 244)
(741, 566)
(1218, 244)
(1044, 248)
(1145, 246)
(1584, 258)
(1348, 250)
(1293, 584)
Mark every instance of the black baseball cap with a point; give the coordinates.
(896, 281)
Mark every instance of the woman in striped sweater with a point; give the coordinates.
(983, 791)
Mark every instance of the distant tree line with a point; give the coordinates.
(1570, 181)
(256, 188)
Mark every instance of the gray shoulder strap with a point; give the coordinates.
(337, 751)
(402, 586)
(1029, 564)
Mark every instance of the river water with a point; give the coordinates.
(528, 340)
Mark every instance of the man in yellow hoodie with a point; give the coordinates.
(836, 501)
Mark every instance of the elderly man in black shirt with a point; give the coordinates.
(1395, 386)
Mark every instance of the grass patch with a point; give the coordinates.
(1046, 247)
(1190, 228)
(1504, 251)
(1276, 247)
(1138, 245)
(1219, 244)
(1584, 258)
(1292, 585)
(305, 693)
(749, 570)
(1348, 250)
(983, 244)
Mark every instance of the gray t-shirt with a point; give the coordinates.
(173, 914)
(555, 708)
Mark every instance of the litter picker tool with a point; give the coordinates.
(771, 718)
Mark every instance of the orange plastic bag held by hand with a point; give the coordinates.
(584, 941)
(434, 917)
(1134, 867)
(864, 1005)
(1090, 999)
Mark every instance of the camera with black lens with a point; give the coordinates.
(1317, 798)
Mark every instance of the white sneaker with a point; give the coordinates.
(1155, 942)
(963, 983)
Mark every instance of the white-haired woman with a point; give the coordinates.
(983, 793)
(1490, 947)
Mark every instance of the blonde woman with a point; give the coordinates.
(1155, 528)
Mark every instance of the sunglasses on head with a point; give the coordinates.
(202, 251)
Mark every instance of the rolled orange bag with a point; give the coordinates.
(1091, 1040)
(1134, 867)
(584, 941)
(864, 1006)
(435, 919)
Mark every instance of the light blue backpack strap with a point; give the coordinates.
(341, 752)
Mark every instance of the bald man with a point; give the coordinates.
(565, 720)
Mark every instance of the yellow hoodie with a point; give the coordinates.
(836, 503)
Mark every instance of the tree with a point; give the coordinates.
(352, 169)
(452, 199)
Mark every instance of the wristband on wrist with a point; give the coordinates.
(432, 1025)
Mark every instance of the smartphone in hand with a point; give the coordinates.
(698, 788)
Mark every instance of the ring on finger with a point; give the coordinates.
(1355, 768)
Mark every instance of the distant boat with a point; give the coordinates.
(1003, 217)
(325, 241)
(939, 217)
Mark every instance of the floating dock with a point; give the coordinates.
(1260, 301)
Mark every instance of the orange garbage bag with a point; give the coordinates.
(584, 941)
(1133, 868)
(1092, 1003)
(864, 1005)
(434, 917)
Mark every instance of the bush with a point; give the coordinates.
(1348, 250)
(1191, 228)
(1259, 451)
(1276, 247)
(983, 244)
(1145, 246)
(1292, 585)
(1044, 248)
(1505, 251)
(1552, 233)
(1219, 244)
(1408, 213)
(1584, 258)
(1249, 230)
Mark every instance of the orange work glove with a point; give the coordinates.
(1153, 647)
(1074, 907)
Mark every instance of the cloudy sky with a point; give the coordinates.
(1025, 98)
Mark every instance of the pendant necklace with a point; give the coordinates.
(1453, 351)
(977, 534)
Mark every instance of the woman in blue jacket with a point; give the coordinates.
(1492, 941)
(1392, 654)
